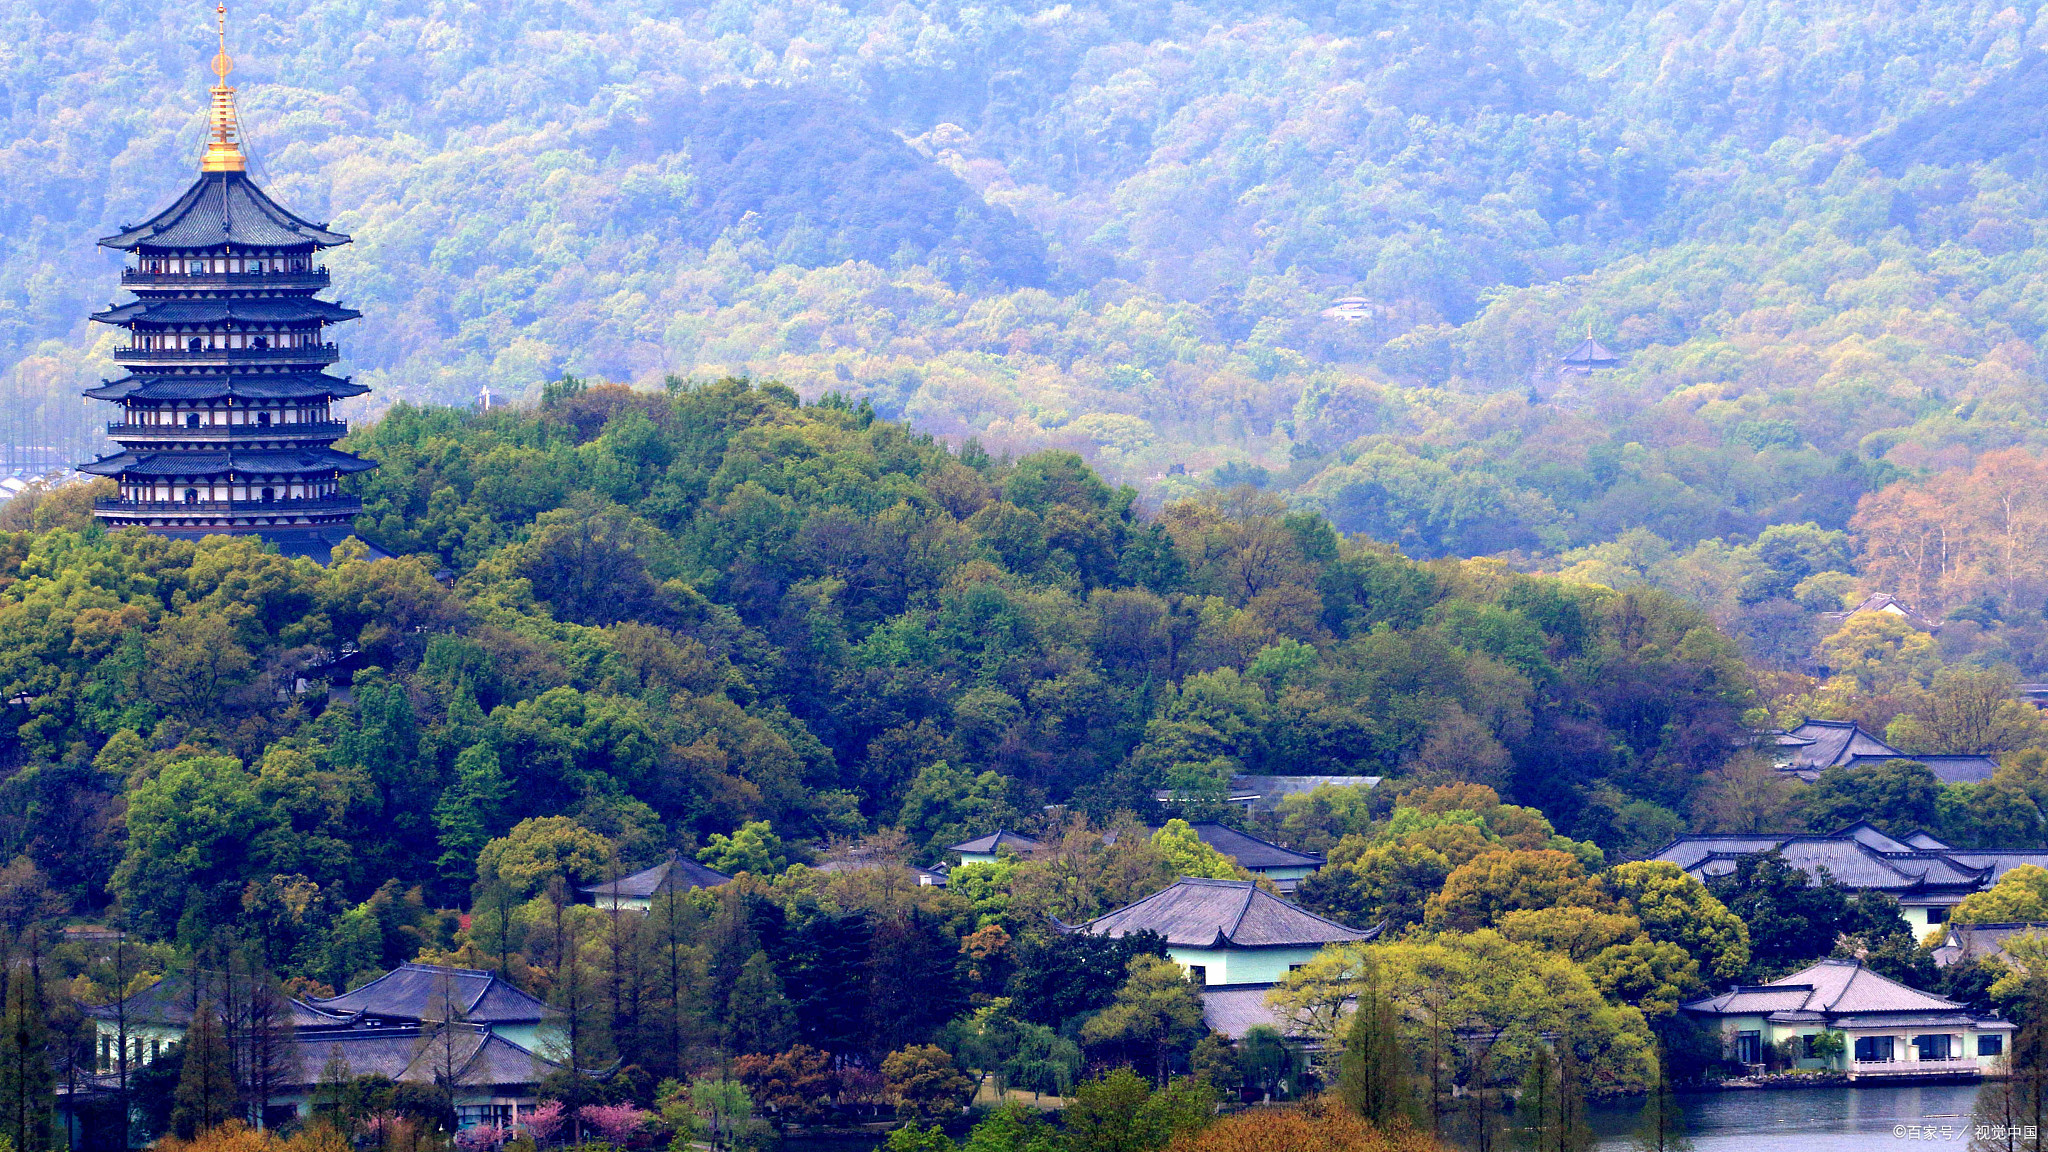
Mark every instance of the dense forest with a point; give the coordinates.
(795, 640)
(1115, 229)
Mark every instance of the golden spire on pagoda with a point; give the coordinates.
(224, 146)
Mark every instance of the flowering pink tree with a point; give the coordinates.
(544, 1122)
(617, 1123)
(482, 1138)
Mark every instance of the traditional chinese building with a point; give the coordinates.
(226, 421)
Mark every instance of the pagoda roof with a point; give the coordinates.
(271, 462)
(1591, 351)
(214, 386)
(212, 310)
(219, 209)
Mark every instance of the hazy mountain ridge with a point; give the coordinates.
(531, 195)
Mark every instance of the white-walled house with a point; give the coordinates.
(1228, 932)
(1887, 1031)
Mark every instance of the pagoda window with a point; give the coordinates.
(269, 495)
(195, 344)
(191, 495)
(191, 419)
(263, 419)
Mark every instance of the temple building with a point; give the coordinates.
(226, 421)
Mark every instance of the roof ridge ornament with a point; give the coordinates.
(224, 148)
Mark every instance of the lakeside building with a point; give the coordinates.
(421, 1023)
(1839, 1016)
(226, 422)
(1926, 876)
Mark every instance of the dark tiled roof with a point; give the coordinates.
(1969, 941)
(1250, 851)
(1689, 851)
(252, 385)
(1998, 861)
(1834, 987)
(1817, 745)
(1199, 913)
(170, 1001)
(1833, 742)
(1863, 832)
(224, 208)
(1859, 857)
(215, 309)
(418, 991)
(1235, 1009)
(1000, 838)
(675, 873)
(1591, 352)
(281, 462)
(1947, 769)
(1850, 863)
(478, 1057)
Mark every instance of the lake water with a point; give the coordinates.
(1808, 1119)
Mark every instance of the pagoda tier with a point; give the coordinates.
(226, 422)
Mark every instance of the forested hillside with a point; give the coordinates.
(1809, 231)
(804, 645)
(673, 614)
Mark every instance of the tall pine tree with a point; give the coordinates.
(1372, 1077)
(28, 1082)
(1536, 1111)
(206, 1095)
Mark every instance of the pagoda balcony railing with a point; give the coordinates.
(308, 430)
(310, 278)
(303, 354)
(324, 504)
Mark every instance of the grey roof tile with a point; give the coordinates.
(677, 873)
(1999, 861)
(1835, 987)
(418, 992)
(251, 385)
(1251, 851)
(1199, 913)
(217, 309)
(280, 462)
(1234, 1009)
(1000, 838)
(222, 208)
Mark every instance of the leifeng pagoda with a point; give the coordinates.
(225, 422)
